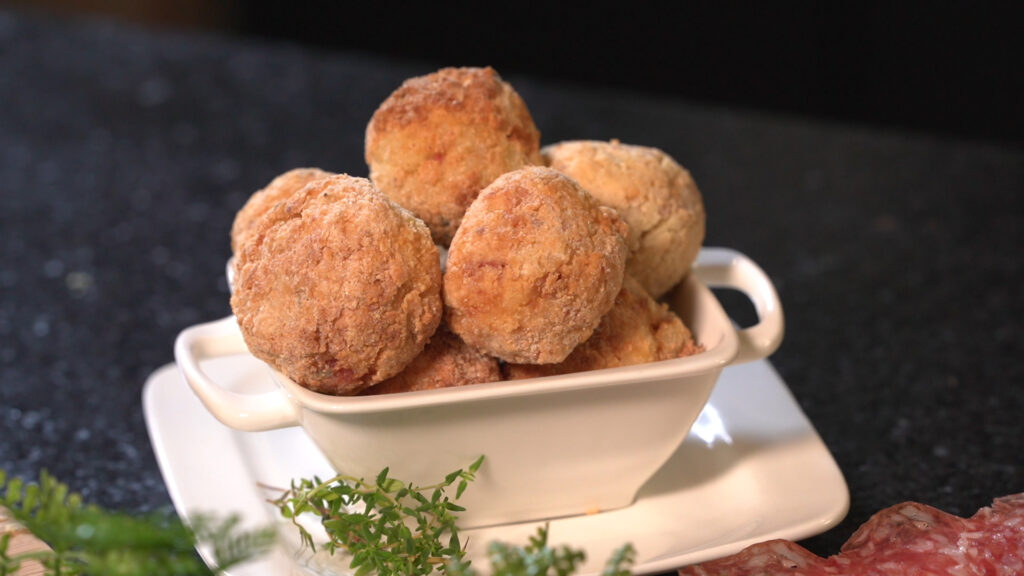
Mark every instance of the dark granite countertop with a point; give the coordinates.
(124, 155)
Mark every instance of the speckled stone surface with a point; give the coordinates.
(124, 155)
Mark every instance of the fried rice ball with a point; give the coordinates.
(439, 139)
(636, 330)
(446, 362)
(534, 267)
(278, 190)
(338, 287)
(652, 192)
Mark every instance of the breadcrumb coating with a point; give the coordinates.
(439, 139)
(262, 201)
(338, 287)
(446, 362)
(654, 194)
(534, 267)
(636, 330)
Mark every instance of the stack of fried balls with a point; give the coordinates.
(469, 255)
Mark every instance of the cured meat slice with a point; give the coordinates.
(908, 539)
(765, 559)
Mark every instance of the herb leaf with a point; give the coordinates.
(86, 539)
(390, 527)
(395, 528)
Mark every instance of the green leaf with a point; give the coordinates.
(476, 465)
(407, 530)
(619, 562)
(452, 476)
(87, 539)
(392, 485)
(12, 498)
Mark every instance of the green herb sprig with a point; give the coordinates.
(87, 539)
(394, 528)
(537, 558)
(389, 527)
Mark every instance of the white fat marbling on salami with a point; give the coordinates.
(908, 539)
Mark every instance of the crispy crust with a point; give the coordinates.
(446, 362)
(636, 330)
(652, 192)
(534, 267)
(338, 287)
(262, 201)
(439, 139)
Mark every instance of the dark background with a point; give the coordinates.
(946, 68)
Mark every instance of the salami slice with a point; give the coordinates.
(908, 539)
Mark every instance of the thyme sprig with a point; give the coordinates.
(537, 558)
(388, 526)
(395, 528)
(87, 539)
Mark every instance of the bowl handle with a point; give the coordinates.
(725, 268)
(248, 412)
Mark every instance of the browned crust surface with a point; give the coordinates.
(656, 196)
(338, 288)
(439, 139)
(636, 330)
(446, 362)
(534, 267)
(262, 201)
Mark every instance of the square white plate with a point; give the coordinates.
(752, 469)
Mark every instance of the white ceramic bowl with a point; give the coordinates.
(554, 446)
